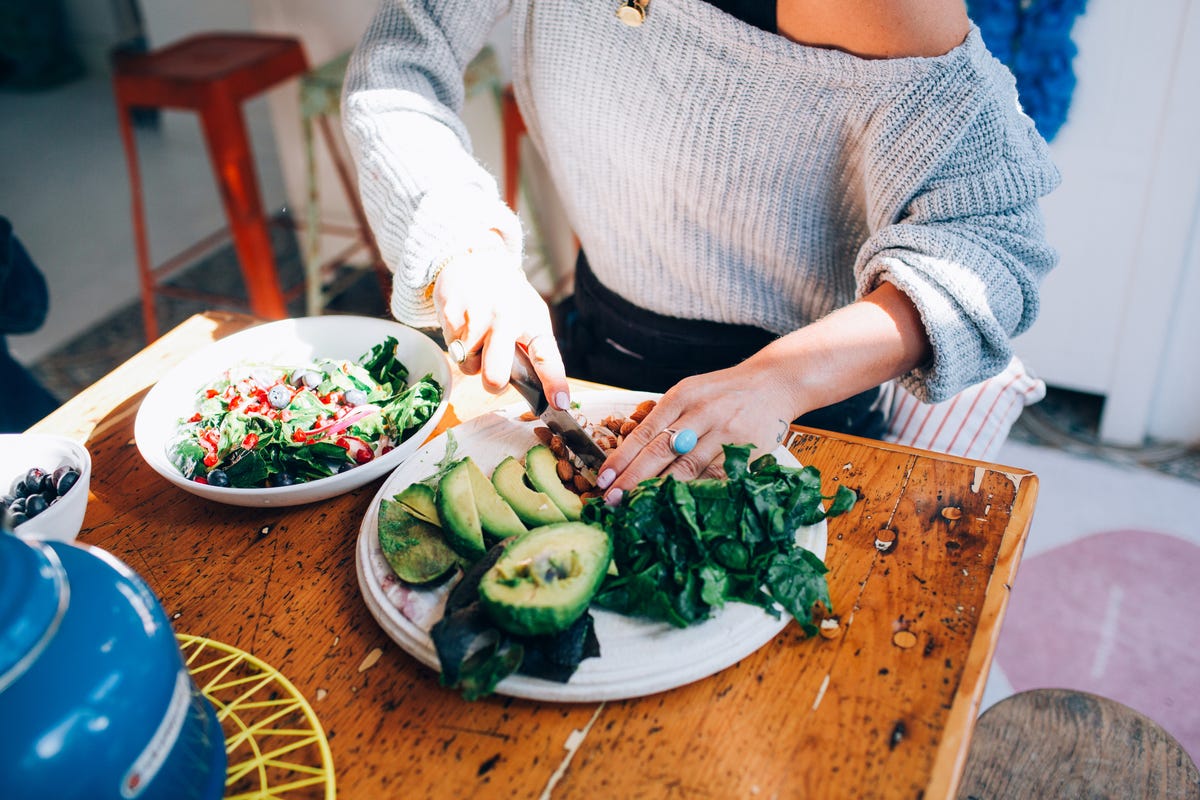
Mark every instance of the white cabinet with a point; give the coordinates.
(1121, 314)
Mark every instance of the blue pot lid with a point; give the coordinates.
(33, 599)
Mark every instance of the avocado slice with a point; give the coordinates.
(460, 517)
(421, 501)
(414, 548)
(541, 467)
(496, 517)
(534, 508)
(545, 579)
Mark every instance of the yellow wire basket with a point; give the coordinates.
(275, 745)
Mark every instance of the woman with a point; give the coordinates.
(780, 212)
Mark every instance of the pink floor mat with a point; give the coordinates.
(1114, 613)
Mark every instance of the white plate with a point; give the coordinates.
(638, 657)
(284, 343)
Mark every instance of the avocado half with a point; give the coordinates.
(545, 579)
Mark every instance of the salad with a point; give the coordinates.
(258, 425)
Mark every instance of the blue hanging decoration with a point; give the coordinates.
(1033, 39)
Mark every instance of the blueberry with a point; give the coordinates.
(281, 479)
(35, 505)
(354, 397)
(7, 500)
(33, 480)
(312, 379)
(17, 506)
(217, 477)
(279, 396)
(18, 487)
(16, 518)
(346, 466)
(64, 478)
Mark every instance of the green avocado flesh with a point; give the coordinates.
(460, 517)
(496, 517)
(545, 579)
(413, 547)
(541, 467)
(421, 502)
(534, 508)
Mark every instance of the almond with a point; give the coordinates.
(543, 434)
(557, 447)
(528, 416)
(582, 484)
(566, 471)
(627, 427)
(643, 408)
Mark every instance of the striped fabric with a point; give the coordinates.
(973, 423)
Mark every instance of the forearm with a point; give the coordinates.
(846, 352)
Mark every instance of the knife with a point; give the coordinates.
(529, 386)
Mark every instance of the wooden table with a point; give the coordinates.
(884, 710)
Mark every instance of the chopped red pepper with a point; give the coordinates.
(299, 436)
(211, 393)
(210, 460)
(251, 441)
(195, 417)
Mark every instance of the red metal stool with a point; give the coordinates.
(212, 75)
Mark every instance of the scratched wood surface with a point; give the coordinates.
(885, 709)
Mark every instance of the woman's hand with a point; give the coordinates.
(484, 301)
(843, 353)
(745, 404)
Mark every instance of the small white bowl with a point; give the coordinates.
(20, 452)
(285, 343)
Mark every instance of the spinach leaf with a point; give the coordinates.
(683, 549)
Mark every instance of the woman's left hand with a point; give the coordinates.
(739, 405)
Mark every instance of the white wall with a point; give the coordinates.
(1122, 220)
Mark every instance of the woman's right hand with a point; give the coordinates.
(484, 301)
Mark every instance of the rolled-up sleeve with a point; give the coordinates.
(424, 194)
(969, 249)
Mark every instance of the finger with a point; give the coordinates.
(471, 338)
(694, 463)
(497, 359)
(647, 462)
(548, 364)
(637, 441)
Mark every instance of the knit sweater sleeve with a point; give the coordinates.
(968, 245)
(425, 195)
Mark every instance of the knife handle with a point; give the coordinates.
(526, 382)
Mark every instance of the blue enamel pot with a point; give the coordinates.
(95, 699)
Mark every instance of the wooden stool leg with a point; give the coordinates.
(514, 125)
(140, 242)
(229, 148)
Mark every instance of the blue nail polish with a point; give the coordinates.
(614, 497)
(605, 478)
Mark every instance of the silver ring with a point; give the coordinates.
(682, 441)
(457, 351)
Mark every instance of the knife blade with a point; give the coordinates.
(529, 386)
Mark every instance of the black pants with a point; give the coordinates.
(606, 339)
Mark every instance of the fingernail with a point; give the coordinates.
(605, 478)
(614, 496)
(562, 401)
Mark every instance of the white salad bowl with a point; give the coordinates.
(287, 343)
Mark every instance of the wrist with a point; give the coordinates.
(490, 242)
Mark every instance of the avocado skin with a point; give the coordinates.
(523, 598)
(533, 507)
(413, 547)
(541, 467)
(460, 517)
(496, 516)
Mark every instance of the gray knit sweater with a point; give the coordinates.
(712, 170)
